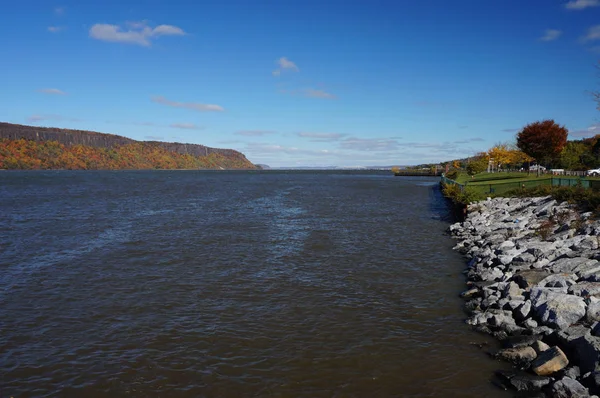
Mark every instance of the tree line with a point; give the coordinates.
(32, 155)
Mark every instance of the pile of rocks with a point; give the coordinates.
(534, 283)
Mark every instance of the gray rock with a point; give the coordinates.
(549, 361)
(593, 309)
(569, 388)
(490, 274)
(512, 305)
(512, 290)
(566, 336)
(521, 341)
(557, 309)
(522, 312)
(543, 330)
(558, 280)
(517, 355)
(573, 372)
(570, 265)
(529, 278)
(595, 329)
(584, 289)
(526, 258)
(587, 351)
(531, 324)
(526, 382)
(470, 293)
(539, 346)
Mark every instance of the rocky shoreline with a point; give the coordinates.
(534, 283)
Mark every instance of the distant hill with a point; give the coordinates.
(31, 147)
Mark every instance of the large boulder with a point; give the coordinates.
(569, 388)
(529, 278)
(563, 280)
(571, 265)
(587, 350)
(584, 289)
(549, 361)
(555, 308)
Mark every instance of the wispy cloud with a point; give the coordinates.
(55, 29)
(322, 137)
(143, 124)
(285, 64)
(589, 132)
(592, 34)
(581, 4)
(138, 33)
(312, 93)
(186, 126)
(154, 137)
(263, 148)
(60, 11)
(254, 133)
(551, 34)
(40, 118)
(188, 105)
(510, 130)
(52, 91)
(369, 144)
(469, 140)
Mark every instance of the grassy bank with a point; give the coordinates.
(485, 185)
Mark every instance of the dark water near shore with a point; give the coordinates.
(231, 284)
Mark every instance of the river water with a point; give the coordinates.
(232, 284)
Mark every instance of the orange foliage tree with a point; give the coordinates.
(542, 140)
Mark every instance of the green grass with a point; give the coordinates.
(496, 177)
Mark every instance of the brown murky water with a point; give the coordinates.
(231, 284)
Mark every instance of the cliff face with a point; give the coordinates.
(110, 141)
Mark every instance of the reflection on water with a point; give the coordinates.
(180, 283)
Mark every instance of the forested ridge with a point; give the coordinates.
(30, 147)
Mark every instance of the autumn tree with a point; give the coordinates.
(542, 140)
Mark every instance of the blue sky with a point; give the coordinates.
(305, 83)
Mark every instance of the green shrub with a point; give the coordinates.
(453, 175)
(460, 196)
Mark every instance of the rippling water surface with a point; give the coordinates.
(231, 284)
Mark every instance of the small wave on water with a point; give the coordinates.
(233, 284)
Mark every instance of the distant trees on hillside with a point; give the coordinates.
(31, 155)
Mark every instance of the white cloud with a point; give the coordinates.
(60, 11)
(52, 91)
(136, 33)
(322, 137)
(185, 126)
(285, 65)
(593, 33)
(550, 35)
(188, 105)
(581, 4)
(254, 133)
(55, 29)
